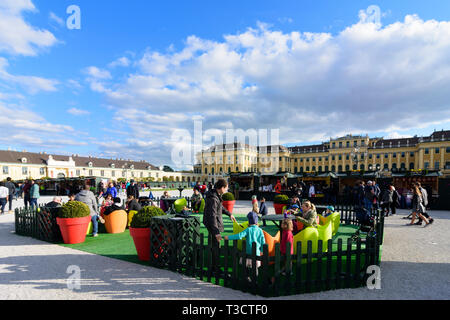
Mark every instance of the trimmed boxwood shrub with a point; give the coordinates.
(143, 218)
(74, 209)
(281, 199)
(228, 197)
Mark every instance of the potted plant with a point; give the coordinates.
(140, 230)
(73, 220)
(279, 202)
(228, 201)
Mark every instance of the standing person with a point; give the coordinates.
(111, 190)
(4, 193)
(212, 218)
(196, 201)
(418, 207)
(311, 191)
(425, 203)
(87, 197)
(12, 192)
(255, 204)
(263, 210)
(34, 194)
(253, 234)
(26, 193)
(369, 196)
(133, 190)
(236, 190)
(395, 200)
(287, 235)
(386, 201)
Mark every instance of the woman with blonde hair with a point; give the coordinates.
(308, 217)
(418, 207)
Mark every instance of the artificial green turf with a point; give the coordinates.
(121, 246)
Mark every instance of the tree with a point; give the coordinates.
(168, 169)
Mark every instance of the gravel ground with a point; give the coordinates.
(415, 265)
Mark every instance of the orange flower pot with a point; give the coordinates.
(73, 230)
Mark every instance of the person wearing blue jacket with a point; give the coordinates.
(253, 234)
(111, 190)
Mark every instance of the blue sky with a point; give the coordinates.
(137, 70)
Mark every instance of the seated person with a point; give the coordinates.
(56, 203)
(308, 215)
(108, 201)
(328, 212)
(293, 209)
(71, 196)
(132, 204)
(116, 206)
(196, 200)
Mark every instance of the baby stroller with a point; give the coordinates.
(145, 201)
(367, 224)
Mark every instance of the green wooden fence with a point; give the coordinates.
(38, 223)
(331, 267)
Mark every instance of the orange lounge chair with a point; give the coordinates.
(116, 222)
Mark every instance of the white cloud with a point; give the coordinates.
(97, 73)
(121, 62)
(78, 112)
(311, 86)
(55, 18)
(32, 84)
(17, 37)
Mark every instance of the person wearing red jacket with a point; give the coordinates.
(286, 236)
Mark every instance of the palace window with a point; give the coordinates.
(427, 151)
(348, 144)
(447, 150)
(340, 168)
(361, 167)
(24, 171)
(436, 150)
(436, 165)
(90, 173)
(394, 155)
(5, 170)
(347, 168)
(113, 174)
(42, 171)
(411, 154)
(411, 166)
(426, 165)
(102, 173)
(78, 173)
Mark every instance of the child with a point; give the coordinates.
(263, 210)
(253, 234)
(255, 204)
(286, 236)
(329, 211)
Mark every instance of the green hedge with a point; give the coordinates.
(74, 209)
(228, 197)
(143, 218)
(281, 199)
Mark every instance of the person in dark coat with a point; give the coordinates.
(263, 210)
(395, 200)
(133, 190)
(133, 204)
(212, 218)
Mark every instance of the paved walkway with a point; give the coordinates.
(415, 265)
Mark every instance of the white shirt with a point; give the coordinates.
(4, 192)
(312, 191)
